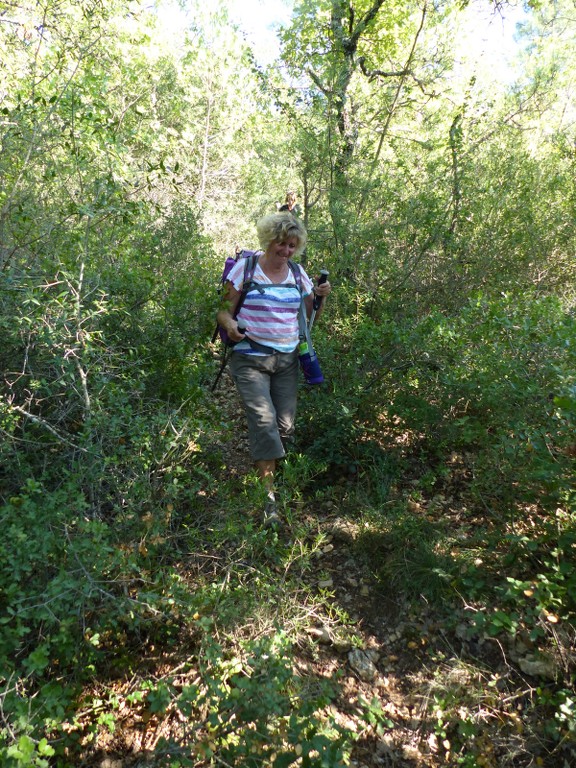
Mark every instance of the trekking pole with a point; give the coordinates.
(317, 299)
(221, 371)
(227, 348)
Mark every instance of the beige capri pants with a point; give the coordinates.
(268, 386)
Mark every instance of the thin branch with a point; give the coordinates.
(43, 423)
(371, 74)
(369, 16)
(391, 109)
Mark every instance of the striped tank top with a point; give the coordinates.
(270, 310)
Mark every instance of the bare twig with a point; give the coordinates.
(43, 423)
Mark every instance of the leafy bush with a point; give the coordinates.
(251, 710)
(96, 478)
(486, 382)
(342, 422)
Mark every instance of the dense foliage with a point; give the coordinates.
(135, 584)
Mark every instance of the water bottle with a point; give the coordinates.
(309, 364)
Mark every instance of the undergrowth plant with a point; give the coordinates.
(477, 409)
(250, 710)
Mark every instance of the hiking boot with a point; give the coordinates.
(271, 516)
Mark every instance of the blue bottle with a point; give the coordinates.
(309, 364)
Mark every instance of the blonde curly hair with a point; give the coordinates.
(278, 227)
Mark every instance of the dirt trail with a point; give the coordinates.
(383, 657)
(419, 688)
(410, 683)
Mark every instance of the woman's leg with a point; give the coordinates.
(253, 378)
(266, 469)
(283, 391)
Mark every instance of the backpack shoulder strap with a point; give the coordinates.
(250, 263)
(297, 274)
(249, 269)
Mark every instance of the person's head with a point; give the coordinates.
(280, 227)
(291, 199)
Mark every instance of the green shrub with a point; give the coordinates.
(251, 710)
(486, 382)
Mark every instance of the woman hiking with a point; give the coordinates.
(264, 359)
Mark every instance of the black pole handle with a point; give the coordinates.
(322, 279)
(241, 325)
